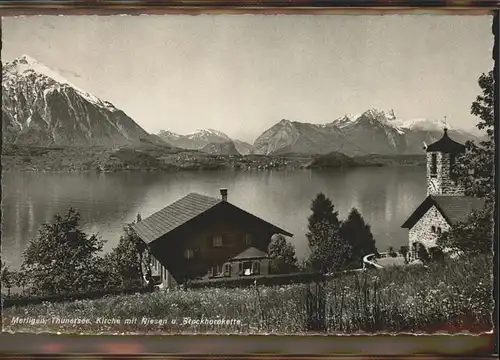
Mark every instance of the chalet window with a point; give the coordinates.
(247, 268)
(217, 241)
(433, 165)
(227, 269)
(433, 229)
(248, 239)
(240, 268)
(188, 254)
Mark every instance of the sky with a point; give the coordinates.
(241, 74)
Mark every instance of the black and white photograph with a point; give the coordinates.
(248, 174)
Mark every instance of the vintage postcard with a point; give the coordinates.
(247, 174)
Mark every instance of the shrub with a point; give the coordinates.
(392, 253)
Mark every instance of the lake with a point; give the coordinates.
(385, 196)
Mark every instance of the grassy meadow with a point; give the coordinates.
(452, 297)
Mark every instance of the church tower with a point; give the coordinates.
(441, 157)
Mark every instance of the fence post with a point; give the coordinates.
(316, 306)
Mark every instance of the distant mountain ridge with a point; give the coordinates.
(371, 132)
(225, 148)
(42, 108)
(201, 138)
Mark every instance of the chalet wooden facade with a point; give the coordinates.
(201, 237)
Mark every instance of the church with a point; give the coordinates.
(445, 204)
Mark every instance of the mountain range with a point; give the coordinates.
(371, 132)
(202, 138)
(40, 107)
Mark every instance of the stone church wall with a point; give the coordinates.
(422, 231)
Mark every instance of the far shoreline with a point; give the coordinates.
(168, 171)
(160, 159)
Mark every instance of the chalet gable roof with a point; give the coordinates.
(179, 213)
(446, 145)
(453, 208)
(250, 253)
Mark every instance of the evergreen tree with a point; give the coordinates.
(358, 235)
(329, 251)
(323, 212)
(282, 256)
(63, 259)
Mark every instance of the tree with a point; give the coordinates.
(475, 168)
(472, 236)
(323, 211)
(126, 260)
(358, 235)
(282, 256)
(63, 259)
(329, 251)
(7, 277)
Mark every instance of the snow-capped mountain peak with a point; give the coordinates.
(205, 133)
(422, 124)
(375, 114)
(26, 63)
(27, 66)
(39, 106)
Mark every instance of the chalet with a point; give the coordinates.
(200, 237)
(445, 204)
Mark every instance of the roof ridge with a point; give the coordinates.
(202, 195)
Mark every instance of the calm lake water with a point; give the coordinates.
(385, 196)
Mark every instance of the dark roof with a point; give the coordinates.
(453, 208)
(446, 145)
(250, 253)
(179, 213)
(173, 216)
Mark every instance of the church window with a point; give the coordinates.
(433, 165)
(433, 229)
(438, 230)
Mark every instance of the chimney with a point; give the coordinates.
(223, 193)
